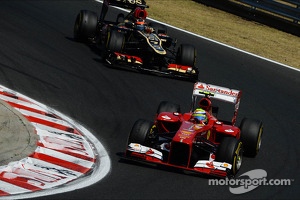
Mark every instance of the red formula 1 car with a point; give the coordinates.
(132, 43)
(197, 141)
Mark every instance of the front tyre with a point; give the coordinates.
(85, 25)
(186, 55)
(142, 132)
(115, 41)
(251, 133)
(231, 151)
(166, 106)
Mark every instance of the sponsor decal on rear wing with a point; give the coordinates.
(125, 3)
(217, 92)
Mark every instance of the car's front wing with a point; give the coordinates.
(136, 63)
(139, 152)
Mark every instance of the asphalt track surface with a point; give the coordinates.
(39, 59)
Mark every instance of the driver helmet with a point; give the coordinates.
(140, 24)
(200, 115)
(140, 13)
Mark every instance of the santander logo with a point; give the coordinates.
(217, 89)
(200, 86)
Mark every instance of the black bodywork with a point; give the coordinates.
(122, 45)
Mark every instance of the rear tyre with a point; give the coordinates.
(231, 151)
(142, 132)
(115, 41)
(186, 55)
(85, 25)
(166, 106)
(251, 133)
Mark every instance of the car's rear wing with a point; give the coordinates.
(129, 4)
(217, 92)
(232, 96)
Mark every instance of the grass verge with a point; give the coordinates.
(229, 29)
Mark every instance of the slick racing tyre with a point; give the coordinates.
(231, 151)
(142, 132)
(186, 55)
(85, 25)
(166, 106)
(115, 41)
(251, 133)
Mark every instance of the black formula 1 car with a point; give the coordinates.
(196, 141)
(133, 43)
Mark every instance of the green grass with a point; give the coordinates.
(229, 29)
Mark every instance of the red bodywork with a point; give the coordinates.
(184, 134)
(188, 133)
(189, 130)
